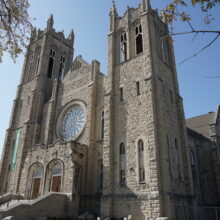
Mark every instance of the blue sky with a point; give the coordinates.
(90, 22)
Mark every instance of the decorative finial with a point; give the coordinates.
(71, 35)
(113, 7)
(50, 22)
(34, 33)
(113, 15)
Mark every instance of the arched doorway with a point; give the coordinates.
(54, 176)
(56, 179)
(36, 182)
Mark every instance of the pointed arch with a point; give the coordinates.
(138, 39)
(35, 180)
(54, 176)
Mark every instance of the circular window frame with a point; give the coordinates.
(62, 114)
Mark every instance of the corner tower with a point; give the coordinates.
(47, 60)
(145, 158)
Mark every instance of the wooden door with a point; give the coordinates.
(56, 184)
(36, 188)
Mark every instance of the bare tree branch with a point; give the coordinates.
(212, 77)
(198, 52)
(197, 32)
(195, 36)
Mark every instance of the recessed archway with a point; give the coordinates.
(54, 176)
(34, 181)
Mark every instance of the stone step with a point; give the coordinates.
(12, 202)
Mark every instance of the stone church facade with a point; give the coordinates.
(116, 144)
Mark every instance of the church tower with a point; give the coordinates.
(145, 156)
(47, 60)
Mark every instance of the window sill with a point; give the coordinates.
(133, 57)
(142, 182)
(100, 141)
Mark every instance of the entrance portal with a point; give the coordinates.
(36, 188)
(36, 182)
(56, 178)
(56, 184)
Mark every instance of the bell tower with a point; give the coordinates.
(47, 60)
(145, 156)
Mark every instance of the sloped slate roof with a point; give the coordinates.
(201, 123)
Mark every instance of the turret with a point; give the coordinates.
(71, 36)
(146, 5)
(50, 22)
(113, 15)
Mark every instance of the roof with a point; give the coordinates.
(201, 124)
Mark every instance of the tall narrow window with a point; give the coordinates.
(78, 178)
(138, 87)
(38, 61)
(62, 67)
(177, 158)
(121, 94)
(51, 64)
(28, 99)
(192, 157)
(30, 67)
(141, 161)
(122, 177)
(36, 181)
(168, 152)
(100, 176)
(122, 149)
(102, 125)
(165, 49)
(122, 164)
(139, 39)
(123, 47)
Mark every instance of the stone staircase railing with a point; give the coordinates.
(49, 205)
(9, 196)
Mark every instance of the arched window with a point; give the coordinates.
(78, 178)
(57, 170)
(62, 67)
(141, 161)
(165, 51)
(38, 61)
(54, 176)
(38, 172)
(122, 164)
(138, 39)
(51, 64)
(102, 125)
(192, 158)
(123, 47)
(35, 180)
(30, 67)
(140, 146)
